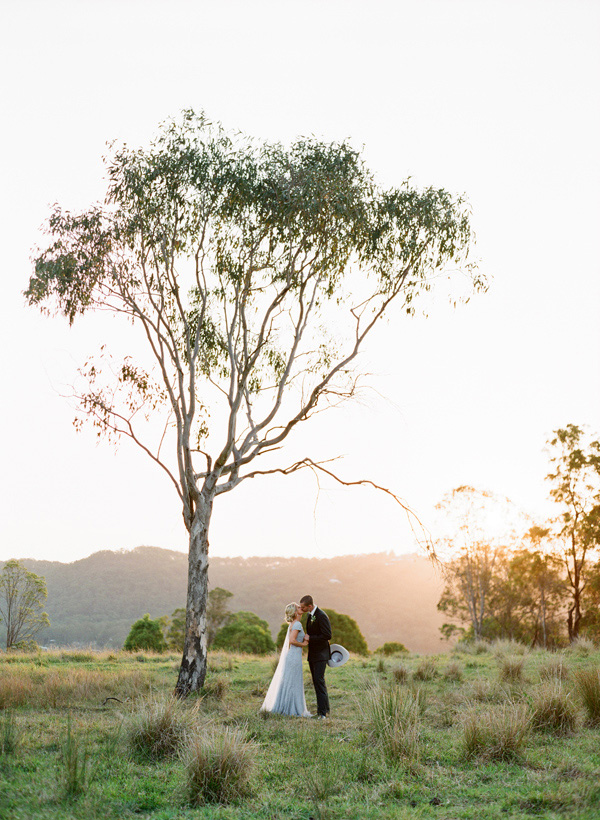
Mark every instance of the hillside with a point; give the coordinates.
(95, 600)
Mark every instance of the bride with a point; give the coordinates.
(285, 695)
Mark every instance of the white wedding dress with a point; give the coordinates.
(285, 694)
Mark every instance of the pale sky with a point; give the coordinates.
(493, 98)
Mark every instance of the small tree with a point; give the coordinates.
(576, 488)
(245, 632)
(22, 598)
(175, 636)
(232, 258)
(146, 634)
(217, 611)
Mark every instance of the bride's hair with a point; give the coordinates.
(290, 613)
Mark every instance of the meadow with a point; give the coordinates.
(490, 731)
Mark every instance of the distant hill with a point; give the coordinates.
(95, 600)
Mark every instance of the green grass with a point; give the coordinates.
(67, 752)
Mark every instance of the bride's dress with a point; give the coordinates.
(285, 694)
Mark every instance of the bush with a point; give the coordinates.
(587, 684)
(157, 729)
(391, 648)
(146, 634)
(245, 632)
(344, 630)
(218, 764)
(496, 733)
(553, 709)
(393, 720)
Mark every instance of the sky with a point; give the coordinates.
(491, 98)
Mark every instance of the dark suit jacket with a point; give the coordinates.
(319, 631)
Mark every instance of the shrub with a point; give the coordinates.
(553, 709)
(157, 728)
(245, 632)
(393, 720)
(425, 670)
(587, 684)
(391, 648)
(218, 765)
(146, 634)
(511, 669)
(496, 733)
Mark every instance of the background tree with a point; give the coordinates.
(175, 637)
(217, 611)
(344, 630)
(146, 634)
(22, 598)
(480, 529)
(575, 478)
(232, 257)
(245, 632)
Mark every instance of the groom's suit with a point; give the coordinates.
(318, 628)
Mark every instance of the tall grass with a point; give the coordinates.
(218, 763)
(495, 733)
(426, 670)
(587, 685)
(554, 669)
(511, 669)
(74, 769)
(393, 720)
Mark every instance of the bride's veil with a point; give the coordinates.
(275, 684)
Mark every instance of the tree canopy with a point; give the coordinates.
(235, 258)
(245, 632)
(146, 633)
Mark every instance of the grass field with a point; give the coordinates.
(496, 732)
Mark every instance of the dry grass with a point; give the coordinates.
(554, 669)
(453, 672)
(426, 670)
(401, 673)
(497, 732)
(63, 687)
(587, 685)
(553, 709)
(218, 764)
(582, 647)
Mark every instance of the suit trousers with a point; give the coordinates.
(317, 670)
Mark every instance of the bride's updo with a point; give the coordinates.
(290, 613)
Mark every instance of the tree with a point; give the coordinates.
(576, 487)
(217, 611)
(231, 258)
(480, 532)
(22, 598)
(391, 648)
(146, 634)
(245, 632)
(344, 630)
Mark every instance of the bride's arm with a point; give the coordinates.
(294, 639)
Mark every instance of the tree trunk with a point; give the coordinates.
(193, 663)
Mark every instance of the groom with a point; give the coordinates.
(318, 630)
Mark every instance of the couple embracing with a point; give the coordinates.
(285, 695)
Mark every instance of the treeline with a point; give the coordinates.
(540, 586)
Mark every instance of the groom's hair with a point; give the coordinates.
(307, 599)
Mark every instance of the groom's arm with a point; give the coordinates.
(324, 625)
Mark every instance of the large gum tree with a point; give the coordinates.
(233, 257)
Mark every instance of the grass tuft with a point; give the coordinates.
(453, 672)
(218, 765)
(587, 685)
(10, 734)
(74, 771)
(582, 647)
(511, 669)
(426, 670)
(554, 669)
(158, 727)
(393, 718)
(217, 687)
(553, 709)
(401, 673)
(496, 733)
